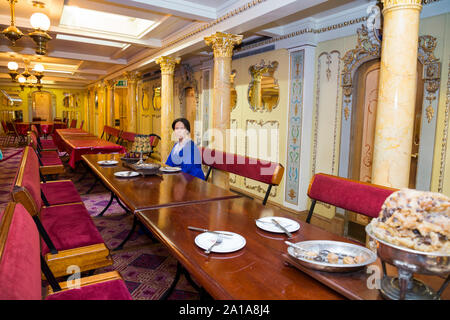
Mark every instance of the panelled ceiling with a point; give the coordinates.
(98, 38)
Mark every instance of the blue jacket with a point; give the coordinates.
(188, 159)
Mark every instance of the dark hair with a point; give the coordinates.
(184, 121)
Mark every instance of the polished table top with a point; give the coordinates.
(257, 271)
(154, 191)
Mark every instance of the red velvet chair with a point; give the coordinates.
(111, 132)
(43, 144)
(49, 161)
(68, 232)
(127, 139)
(360, 197)
(73, 123)
(267, 172)
(81, 124)
(52, 192)
(154, 140)
(21, 264)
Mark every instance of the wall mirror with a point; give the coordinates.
(263, 90)
(156, 98)
(233, 93)
(144, 99)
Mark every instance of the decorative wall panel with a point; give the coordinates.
(294, 127)
(262, 142)
(326, 113)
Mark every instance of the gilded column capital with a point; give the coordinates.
(223, 43)
(167, 64)
(401, 4)
(132, 77)
(110, 84)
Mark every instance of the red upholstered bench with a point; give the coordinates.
(21, 264)
(255, 169)
(69, 236)
(360, 197)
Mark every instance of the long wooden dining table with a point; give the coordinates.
(262, 269)
(155, 191)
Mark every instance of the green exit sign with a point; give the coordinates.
(122, 83)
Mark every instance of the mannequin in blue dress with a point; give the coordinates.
(185, 153)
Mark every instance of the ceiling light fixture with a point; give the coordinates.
(39, 21)
(12, 33)
(26, 78)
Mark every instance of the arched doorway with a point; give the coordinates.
(189, 107)
(363, 121)
(42, 106)
(359, 84)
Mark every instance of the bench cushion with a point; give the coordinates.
(47, 144)
(356, 196)
(256, 169)
(50, 158)
(108, 290)
(20, 268)
(69, 226)
(60, 192)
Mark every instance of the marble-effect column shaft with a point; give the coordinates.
(222, 45)
(397, 93)
(167, 105)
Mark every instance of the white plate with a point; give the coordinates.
(126, 174)
(266, 224)
(229, 243)
(107, 162)
(170, 169)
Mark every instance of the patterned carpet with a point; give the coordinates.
(147, 267)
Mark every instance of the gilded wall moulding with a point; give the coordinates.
(223, 43)
(260, 123)
(444, 135)
(316, 115)
(392, 4)
(187, 81)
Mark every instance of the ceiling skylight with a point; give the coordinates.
(86, 19)
(90, 40)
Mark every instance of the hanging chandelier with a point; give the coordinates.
(40, 23)
(26, 78)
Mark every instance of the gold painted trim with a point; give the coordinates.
(445, 135)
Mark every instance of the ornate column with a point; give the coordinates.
(222, 45)
(167, 109)
(110, 102)
(396, 93)
(132, 78)
(101, 88)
